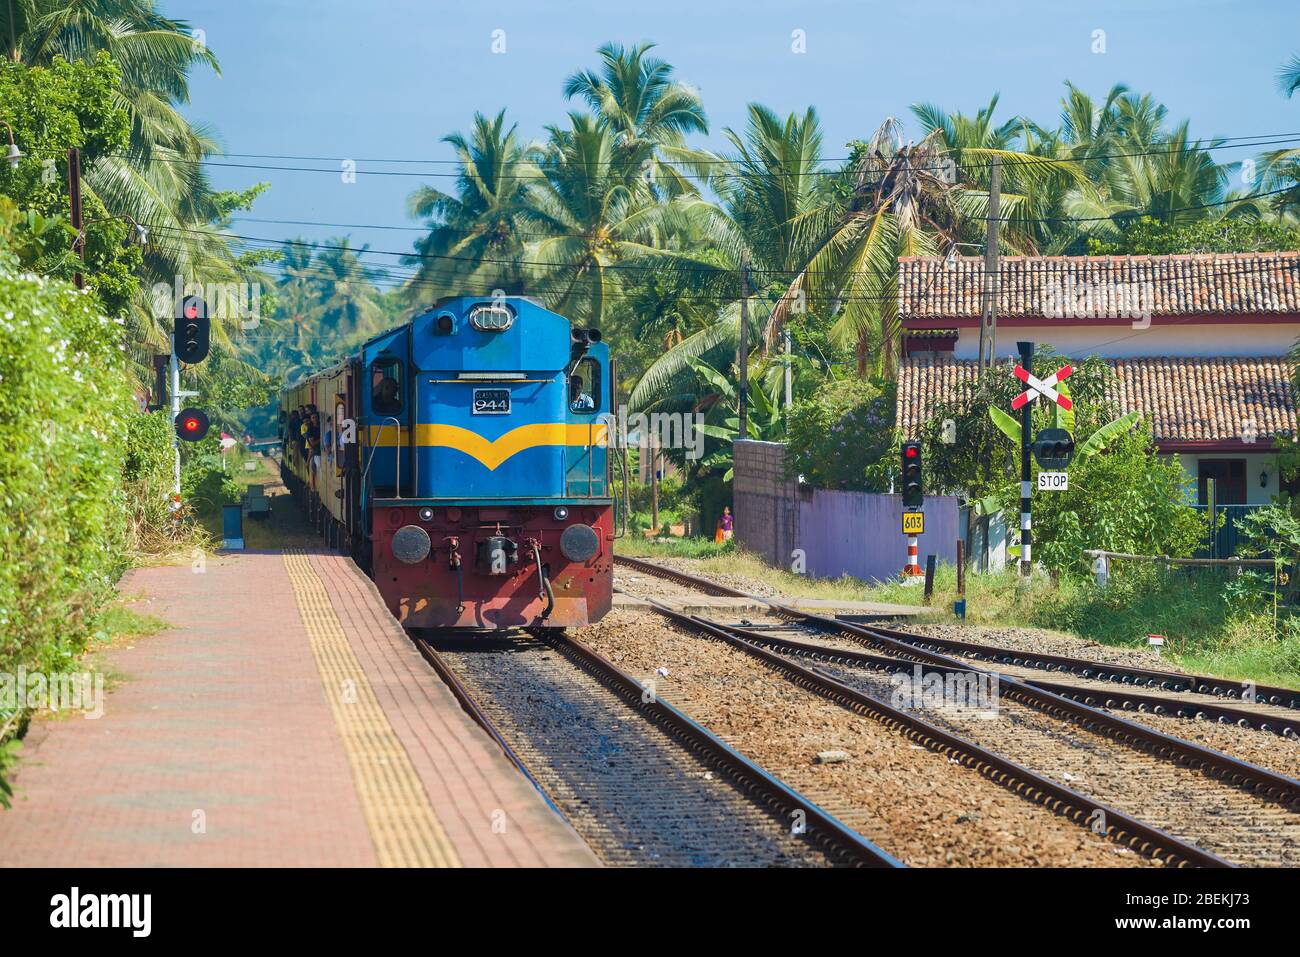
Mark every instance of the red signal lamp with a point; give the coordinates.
(911, 451)
(192, 424)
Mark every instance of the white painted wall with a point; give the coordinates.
(1256, 465)
(1122, 342)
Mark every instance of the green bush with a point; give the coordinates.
(842, 436)
(64, 409)
(148, 476)
(1127, 499)
(205, 485)
(671, 494)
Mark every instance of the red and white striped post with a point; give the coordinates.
(913, 566)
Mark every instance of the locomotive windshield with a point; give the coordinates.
(386, 386)
(584, 386)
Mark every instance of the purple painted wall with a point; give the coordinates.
(858, 533)
(839, 533)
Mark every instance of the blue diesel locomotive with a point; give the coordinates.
(464, 460)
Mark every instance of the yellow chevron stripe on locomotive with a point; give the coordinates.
(491, 453)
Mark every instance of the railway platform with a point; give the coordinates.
(284, 719)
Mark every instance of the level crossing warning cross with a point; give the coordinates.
(1043, 387)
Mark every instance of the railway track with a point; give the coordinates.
(1186, 696)
(1242, 811)
(643, 783)
(1083, 810)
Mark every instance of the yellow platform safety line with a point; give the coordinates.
(402, 824)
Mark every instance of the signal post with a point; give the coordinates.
(1053, 448)
(191, 340)
(913, 500)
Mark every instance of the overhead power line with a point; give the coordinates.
(680, 167)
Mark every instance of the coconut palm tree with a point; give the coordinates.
(636, 97)
(349, 301)
(1288, 76)
(476, 237)
(594, 227)
(1280, 169)
(768, 187)
(1033, 177)
(158, 181)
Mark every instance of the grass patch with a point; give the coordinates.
(1205, 631)
(117, 623)
(726, 559)
(638, 546)
(114, 625)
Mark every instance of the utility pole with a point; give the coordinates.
(789, 374)
(989, 318)
(654, 486)
(1026, 423)
(743, 361)
(74, 198)
(176, 411)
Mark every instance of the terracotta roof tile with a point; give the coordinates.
(1103, 286)
(1183, 399)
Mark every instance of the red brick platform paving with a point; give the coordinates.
(218, 747)
(491, 815)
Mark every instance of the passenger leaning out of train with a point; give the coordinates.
(579, 401)
(304, 421)
(313, 439)
(290, 430)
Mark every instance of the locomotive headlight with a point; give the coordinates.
(426, 514)
(411, 544)
(561, 513)
(579, 543)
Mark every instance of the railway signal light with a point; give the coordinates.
(1053, 448)
(913, 492)
(193, 330)
(192, 424)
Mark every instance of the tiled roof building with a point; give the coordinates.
(1104, 287)
(1198, 344)
(1187, 402)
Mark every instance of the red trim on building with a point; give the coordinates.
(1262, 446)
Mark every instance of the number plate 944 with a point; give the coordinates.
(491, 402)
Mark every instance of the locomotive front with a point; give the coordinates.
(489, 497)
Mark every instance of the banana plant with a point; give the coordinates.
(762, 422)
(1064, 419)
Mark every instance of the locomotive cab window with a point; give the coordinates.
(584, 387)
(386, 386)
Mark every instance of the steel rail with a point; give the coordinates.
(1120, 699)
(1078, 808)
(479, 717)
(1084, 668)
(1265, 783)
(823, 830)
(1126, 674)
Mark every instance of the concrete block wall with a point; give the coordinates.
(764, 502)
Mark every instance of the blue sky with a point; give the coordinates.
(390, 78)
